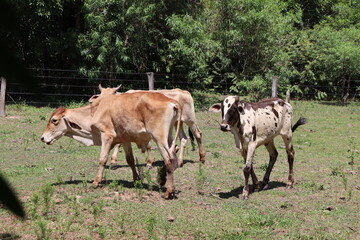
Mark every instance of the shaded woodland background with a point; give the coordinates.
(233, 45)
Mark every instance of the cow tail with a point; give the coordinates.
(300, 122)
(177, 108)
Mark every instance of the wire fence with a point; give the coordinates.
(60, 86)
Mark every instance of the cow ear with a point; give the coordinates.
(241, 108)
(215, 107)
(71, 124)
(94, 97)
(118, 87)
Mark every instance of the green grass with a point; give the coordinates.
(54, 184)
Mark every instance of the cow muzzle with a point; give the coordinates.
(225, 127)
(47, 142)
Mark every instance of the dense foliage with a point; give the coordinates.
(313, 46)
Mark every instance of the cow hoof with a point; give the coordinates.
(169, 195)
(245, 198)
(289, 186)
(256, 189)
(202, 158)
(149, 166)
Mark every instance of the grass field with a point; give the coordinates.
(54, 184)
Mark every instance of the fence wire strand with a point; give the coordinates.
(61, 85)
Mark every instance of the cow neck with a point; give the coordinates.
(81, 116)
(83, 133)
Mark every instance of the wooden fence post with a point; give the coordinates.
(150, 76)
(275, 80)
(288, 96)
(2, 97)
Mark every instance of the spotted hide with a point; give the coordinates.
(256, 124)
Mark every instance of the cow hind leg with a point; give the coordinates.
(270, 146)
(114, 156)
(290, 155)
(255, 180)
(130, 160)
(169, 161)
(183, 140)
(149, 160)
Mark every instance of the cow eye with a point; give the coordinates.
(54, 120)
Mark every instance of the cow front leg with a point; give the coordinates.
(273, 156)
(130, 160)
(248, 169)
(104, 154)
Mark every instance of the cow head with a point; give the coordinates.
(104, 91)
(231, 109)
(58, 125)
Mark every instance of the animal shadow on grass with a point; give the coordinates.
(238, 191)
(8, 236)
(103, 183)
(155, 164)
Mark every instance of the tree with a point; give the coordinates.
(125, 36)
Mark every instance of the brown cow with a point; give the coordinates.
(121, 119)
(256, 124)
(188, 117)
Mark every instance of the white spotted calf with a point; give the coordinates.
(256, 124)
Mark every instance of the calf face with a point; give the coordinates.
(230, 112)
(56, 127)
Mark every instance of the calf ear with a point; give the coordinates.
(94, 97)
(241, 108)
(215, 107)
(118, 87)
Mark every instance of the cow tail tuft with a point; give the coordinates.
(300, 122)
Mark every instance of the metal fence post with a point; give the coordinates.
(150, 76)
(2, 97)
(275, 80)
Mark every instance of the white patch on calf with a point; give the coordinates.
(228, 102)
